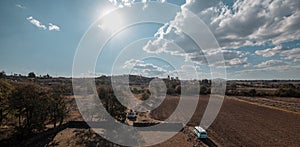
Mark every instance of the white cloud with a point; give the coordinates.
(271, 63)
(53, 27)
(146, 69)
(36, 23)
(158, 46)
(253, 22)
(270, 51)
(247, 23)
(145, 4)
(238, 62)
(122, 3)
(20, 6)
(129, 3)
(293, 54)
(286, 54)
(193, 53)
(232, 58)
(185, 71)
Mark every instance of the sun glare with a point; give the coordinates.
(111, 20)
(106, 10)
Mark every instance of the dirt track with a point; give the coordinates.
(240, 123)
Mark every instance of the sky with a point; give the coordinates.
(257, 39)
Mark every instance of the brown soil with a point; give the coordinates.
(244, 124)
(85, 137)
(179, 140)
(287, 104)
(72, 137)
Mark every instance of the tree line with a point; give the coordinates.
(28, 107)
(283, 90)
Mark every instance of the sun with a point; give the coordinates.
(111, 20)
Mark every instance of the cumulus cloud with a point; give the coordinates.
(270, 51)
(246, 23)
(232, 58)
(238, 62)
(257, 22)
(193, 53)
(250, 22)
(286, 54)
(146, 69)
(122, 3)
(185, 71)
(271, 63)
(37, 23)
(53, 27)
(155, 46)
(293, 54)
(129, 3)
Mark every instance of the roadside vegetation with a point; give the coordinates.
(111, 103)
(264, 88)
(27, 108)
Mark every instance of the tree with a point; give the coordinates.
(252, 92)
(203, 90)
(57, 106)
(178, 89)
(35, 106)
(145, 96)
(30, 102)
(288, 92)
(47, 76)
(110, 102)
(31, 75)
(5, 91)
(2, 74)
(232, 86)
(205, 81)
(170, 91)
(135, 90)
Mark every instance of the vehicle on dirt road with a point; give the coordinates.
(131, 115)
(200, 132)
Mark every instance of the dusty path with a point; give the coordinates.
(285, 104)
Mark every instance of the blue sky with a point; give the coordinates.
(259, 40)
